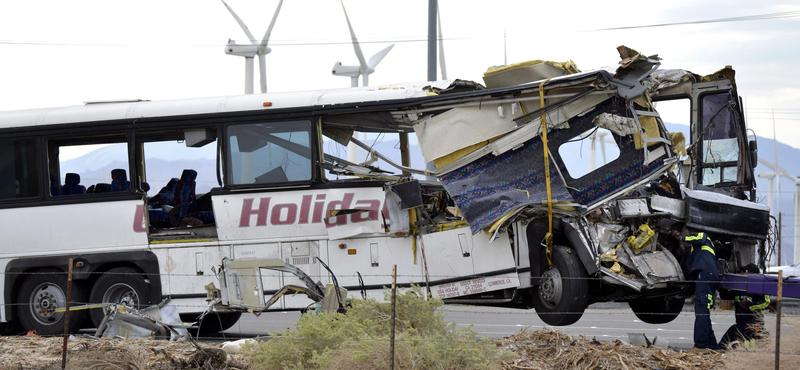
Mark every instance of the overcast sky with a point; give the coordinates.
(57, 53)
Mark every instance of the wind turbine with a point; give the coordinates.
(250, 51)
(364, 69)
(442, 65)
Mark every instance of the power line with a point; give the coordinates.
(779, 15)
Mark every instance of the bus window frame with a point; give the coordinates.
(133, 189)
(226, 154)
(44, 186)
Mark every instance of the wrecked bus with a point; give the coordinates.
(499, 217)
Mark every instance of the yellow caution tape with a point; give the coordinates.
(79, 308)
(548, 239)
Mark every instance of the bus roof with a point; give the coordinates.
(239, 103)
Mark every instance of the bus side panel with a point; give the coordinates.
(290, 215)
(191, 271)
(82, 227)
(373, 258)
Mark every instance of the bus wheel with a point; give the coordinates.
(563, 291)
(41, 295)
(658, 310)
(122, 286)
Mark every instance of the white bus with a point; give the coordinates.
(263, 176)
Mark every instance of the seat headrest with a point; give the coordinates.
(188, 175)
(102, 188)
(119, 175)
(72, 179)
(172, 183)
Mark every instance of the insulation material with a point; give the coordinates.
(678, 143)
(492, 186)
(460, 128)
(619, 125)
(650, 126)
(524, 72)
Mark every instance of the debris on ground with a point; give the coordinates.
(556, 350)
(40, 353)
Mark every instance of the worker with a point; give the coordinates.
(703, 270)
(749, 324)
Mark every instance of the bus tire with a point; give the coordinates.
(657, 310)
(40, 294)
(563, 290)
(121, 285)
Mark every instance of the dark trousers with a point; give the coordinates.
(704, 290)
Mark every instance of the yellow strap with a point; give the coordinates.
(548, 239)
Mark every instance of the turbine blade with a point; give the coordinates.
(271, 24)
(241, 24)
(356, 46)
(262, 69)
(442, 64)
(373, 62)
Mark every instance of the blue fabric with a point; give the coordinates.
(119, 180)
(102, 188)
(158, 215)
(72, 185)
(704, 290)
(167, 194)
(185, 193)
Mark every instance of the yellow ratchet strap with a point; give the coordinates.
(548, 239)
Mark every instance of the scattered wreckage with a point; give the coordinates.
(241, 285)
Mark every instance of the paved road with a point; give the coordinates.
(603, 324)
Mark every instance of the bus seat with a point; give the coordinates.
(72, 185)
(102, 188)
(186, 202)
(166, 195)
(185, 195)
(55, 186)
(119, 180)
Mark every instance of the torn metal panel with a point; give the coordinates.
(463, 127)
(675, 207)
(153, 322)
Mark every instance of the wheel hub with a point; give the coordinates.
(45, 300)
(550, 287)
(122, 294)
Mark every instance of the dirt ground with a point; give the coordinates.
(542, 349)
(35, 353)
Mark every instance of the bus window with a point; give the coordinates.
(269, 153)
(720, 140)
(80, 166)
(18, 169)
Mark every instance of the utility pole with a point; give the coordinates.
(433, 6)
(780, 236)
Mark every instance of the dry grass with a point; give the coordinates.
(37, 353)
(763, 357)
(554, 350)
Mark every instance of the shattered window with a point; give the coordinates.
(588, 151)
(720, 146)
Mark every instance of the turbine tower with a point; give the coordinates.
(250, 51)
(364, 68)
